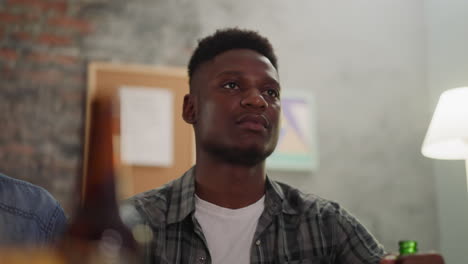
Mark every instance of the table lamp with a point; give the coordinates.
(447, 135)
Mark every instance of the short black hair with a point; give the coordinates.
(227, 39)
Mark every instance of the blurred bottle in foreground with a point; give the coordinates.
(408, 254)
(97, 233)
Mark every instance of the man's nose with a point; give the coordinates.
(254, 99)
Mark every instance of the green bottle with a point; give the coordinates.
(408, 247)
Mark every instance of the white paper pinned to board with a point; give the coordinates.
(146, 126)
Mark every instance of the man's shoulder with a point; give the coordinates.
(330, 222)
(25, 197)
(153, 198)
(29, 213)
(140, 207)
(307, 204)
(169, 203)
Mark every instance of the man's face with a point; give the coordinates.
(236, 107)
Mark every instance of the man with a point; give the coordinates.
(225, 209)
(29, 215)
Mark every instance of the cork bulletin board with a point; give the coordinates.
(104, 82)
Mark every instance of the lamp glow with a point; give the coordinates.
(447, 135)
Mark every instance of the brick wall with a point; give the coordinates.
(362, 60)
(42, 92)
(44, 49)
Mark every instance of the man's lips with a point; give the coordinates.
(253, 122)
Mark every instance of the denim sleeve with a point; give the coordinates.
(57, 224)
(29, 214)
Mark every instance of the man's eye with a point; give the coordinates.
(273, 93)
(231, 85)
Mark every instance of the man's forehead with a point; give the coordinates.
(240, 54)
(235, 61)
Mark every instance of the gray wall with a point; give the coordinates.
(447, 67)
(363, 60)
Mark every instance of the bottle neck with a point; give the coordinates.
(99, 183)
(408, 247)
(98, 219)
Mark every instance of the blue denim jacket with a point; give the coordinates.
(29, 215)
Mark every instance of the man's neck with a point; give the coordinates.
(228, 185)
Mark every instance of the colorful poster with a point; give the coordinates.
(296, 149)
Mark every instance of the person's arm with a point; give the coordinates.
(57, 223)
(431, 258)
(358, 246)
(354, 243)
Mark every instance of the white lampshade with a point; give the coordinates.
(447, 136)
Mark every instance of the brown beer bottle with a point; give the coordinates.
(96, 233)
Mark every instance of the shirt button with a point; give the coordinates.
(201, 260)
(257, 242)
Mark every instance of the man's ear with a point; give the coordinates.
(189, 111)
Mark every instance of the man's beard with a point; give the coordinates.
(248, 157)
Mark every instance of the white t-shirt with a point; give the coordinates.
(228, 232)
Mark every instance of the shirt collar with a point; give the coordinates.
(276, 200)
(182, 198)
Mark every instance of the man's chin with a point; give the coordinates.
(246, 156)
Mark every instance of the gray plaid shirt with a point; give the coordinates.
(293, 228)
